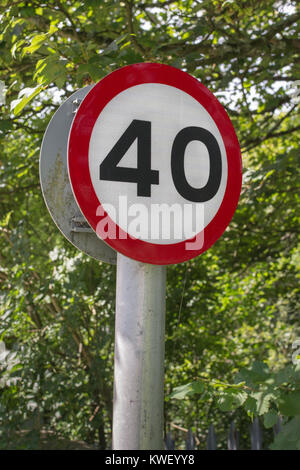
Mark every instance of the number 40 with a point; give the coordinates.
(144, 176)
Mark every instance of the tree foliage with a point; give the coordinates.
(235, 304)
(260, 392)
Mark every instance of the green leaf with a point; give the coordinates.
(250, 406)
(16, 46)
(24, 97)
(179, 393)
(38, 40)
(289, 405)
(183, 391)
(5, 125)
(284, 375)
(5, 221)
(270, 418)
(263, 400)
(229, 401)
(256, 374)
(198, 386)
(51, 69)
(289, 436)
(114, 45)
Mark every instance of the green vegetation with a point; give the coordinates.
(232, 313)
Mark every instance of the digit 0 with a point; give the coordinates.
(183, 138)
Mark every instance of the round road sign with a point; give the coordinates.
(56, 187)
(154, 163)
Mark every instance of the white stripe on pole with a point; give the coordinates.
(139, 356)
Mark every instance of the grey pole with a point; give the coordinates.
(139, 356)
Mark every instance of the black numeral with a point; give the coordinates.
(142, 175)
(183, 138)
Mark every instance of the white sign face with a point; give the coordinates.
(154, 163)
(166, 111)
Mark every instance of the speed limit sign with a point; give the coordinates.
(154, 163)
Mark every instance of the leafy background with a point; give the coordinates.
(232, 313)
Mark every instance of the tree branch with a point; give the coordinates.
(271, 134)
(129, 15)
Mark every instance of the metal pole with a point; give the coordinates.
(139, 356)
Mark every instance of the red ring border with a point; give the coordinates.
(78, 158)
